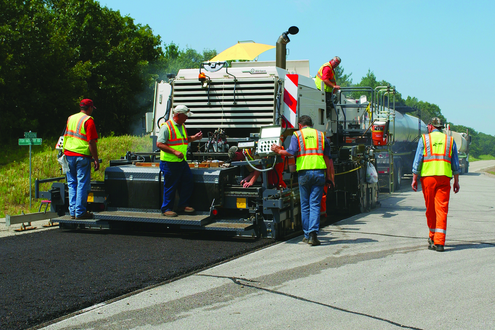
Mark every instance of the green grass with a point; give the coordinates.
(14, 168)
(482, 157)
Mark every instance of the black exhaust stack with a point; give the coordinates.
(282, 41)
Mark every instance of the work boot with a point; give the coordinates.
(430, 243)
(86, 215)
(438, 248)
(170, 214)
(313, 240)
(188, 209)
(305, 240)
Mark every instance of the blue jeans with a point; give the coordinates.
(311, 184)
(79, 182)
(176, 177)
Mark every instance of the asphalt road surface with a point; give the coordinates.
(49, 274)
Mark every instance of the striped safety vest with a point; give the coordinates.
(75, 138)
(311, 146)
(176, 140)
(437, 154)
(318, 78)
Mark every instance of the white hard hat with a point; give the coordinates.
(181, 108)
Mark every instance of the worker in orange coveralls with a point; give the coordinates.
(436, 161)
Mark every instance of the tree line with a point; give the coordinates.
(53, 53)
(481, 143)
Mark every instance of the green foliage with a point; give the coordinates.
(481, 143)
(481, 157)
(343, 80)
(14, 169)
(55, 52)
(370, 80)
(428, 110)
(176, 59)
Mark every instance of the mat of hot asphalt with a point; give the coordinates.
(45, 275)
(372, 271)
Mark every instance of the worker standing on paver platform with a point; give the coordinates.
(177, 176)
(436, 161)
(79, 146)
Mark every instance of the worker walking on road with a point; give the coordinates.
(436, 161)
(177, 176)
(79, 147)
(313, 161)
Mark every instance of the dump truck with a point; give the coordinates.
(248, 108)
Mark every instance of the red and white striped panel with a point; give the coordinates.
(290, 101)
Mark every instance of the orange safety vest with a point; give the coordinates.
(319, 79)
(176, 140)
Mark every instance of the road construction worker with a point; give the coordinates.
(172, 141)
(436, 161)
(326, 74)
(80, 150)
(313, 162)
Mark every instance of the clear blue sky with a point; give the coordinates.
(439, 51)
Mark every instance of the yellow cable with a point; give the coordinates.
(355, 169)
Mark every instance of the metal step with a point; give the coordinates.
(149, 217)
(86, 222)
(225, 226)
(103, 218)
(186, 221)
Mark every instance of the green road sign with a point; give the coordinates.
(30, 142)
(30, 134)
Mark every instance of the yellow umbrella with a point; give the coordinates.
(242, 50)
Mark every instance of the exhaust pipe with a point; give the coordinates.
(283, 40)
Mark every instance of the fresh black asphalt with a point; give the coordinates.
(46, 275)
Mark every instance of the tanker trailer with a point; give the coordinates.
(462, 141)
(395, 136)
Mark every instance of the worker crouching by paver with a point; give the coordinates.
(177, 176)
(436, 161)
